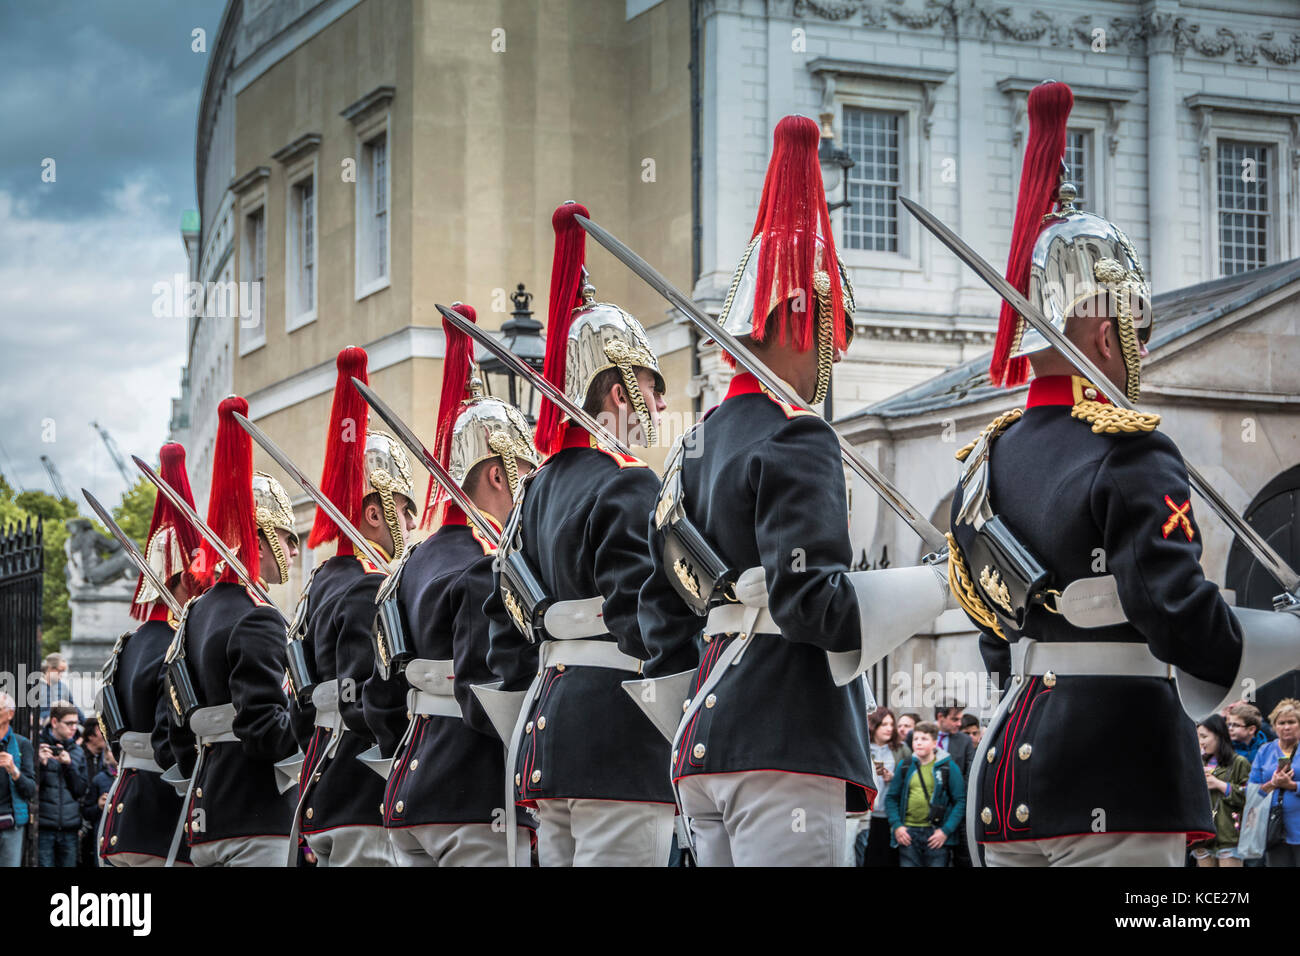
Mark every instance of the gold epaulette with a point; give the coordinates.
(1112, 420)
(992, 430)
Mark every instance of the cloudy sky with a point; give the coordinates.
(109, 91)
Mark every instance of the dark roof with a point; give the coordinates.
(1178, 312)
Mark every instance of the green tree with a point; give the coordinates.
(135, 511)
(132, 514)
(56, 616)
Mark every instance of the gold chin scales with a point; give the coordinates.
(384, 483)
(504, 446)
(267, 527)
(825, 319)
(618, 353)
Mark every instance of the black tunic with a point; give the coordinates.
(764, 483)
(1088, 504)
(236, 650)
(584, 529)
(150, 808)
(453, 770)
(340, 620)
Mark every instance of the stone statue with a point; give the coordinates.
(94, 560)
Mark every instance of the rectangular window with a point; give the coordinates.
(300, 258)
(1244, 205)
(379, 157)
(307, 270)
(252, 328)
(1078, 153)
(873, 140)
(372, 216)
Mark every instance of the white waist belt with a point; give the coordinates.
(1092, 658)
(214, 725)
(438, 705)
(567, 620)
(137, 752)
(737, 619)
(325, 698)
(586, 653)
(432, 677)
(432, 692)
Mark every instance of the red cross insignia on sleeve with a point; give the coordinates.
(1179, 518)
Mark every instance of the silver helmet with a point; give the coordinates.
(604, 336)
(1083, 264)
(487, 428)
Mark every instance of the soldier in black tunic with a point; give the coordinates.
(770, 743)
(583, 754)
(443, 804)
(367, 476)
(234, 645)
(1118, 627)
(139, 816)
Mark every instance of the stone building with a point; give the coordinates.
(360, 160)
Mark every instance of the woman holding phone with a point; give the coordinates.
(887, 752)
(1226, 774)
(1274, 771)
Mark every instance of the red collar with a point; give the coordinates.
(575, 436)
(159, 612)
(456, 515)
(743, 383)
(1062, 390)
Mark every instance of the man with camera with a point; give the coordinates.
(63, 781)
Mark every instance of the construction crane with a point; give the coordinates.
(55, 481)
(113, 452)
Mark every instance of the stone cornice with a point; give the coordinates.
(244, 183)
(297, 149)
(1160, 31)
(376, 99)
(926, 334)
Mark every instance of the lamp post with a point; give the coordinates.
(521, 334)
(835, 164)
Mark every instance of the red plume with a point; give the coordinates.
(1049, 110)
(231, 512)
(791, 214)
(343, 479)
(455, 392)
(171, 468)
(566, 295)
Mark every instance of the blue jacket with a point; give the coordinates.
(1261, 771)
(1251, 749)
(15, 796)
(949, 794)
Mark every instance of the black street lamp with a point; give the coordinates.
(835, 164)
(521, 334)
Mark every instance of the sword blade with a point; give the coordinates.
(359, 541)
(927, 532)
(519, 367)
(1276, 565)
(440, 474)
(134, 554)
(209, 535)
